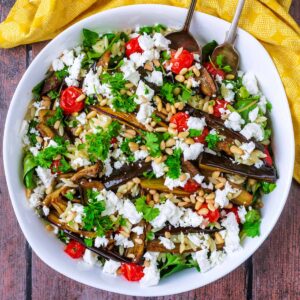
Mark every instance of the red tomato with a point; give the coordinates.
(184, 60)
(180, 120)
(191, 186)
(213, 216)
(234, 209)
(68, 100)
(201, 138)
(75, 249)
(132, 272)
(55, 166)
(133, 46)
(113, 140)
(220, 103)
(268, 159)
(214, 71)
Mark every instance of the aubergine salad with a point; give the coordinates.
(145, 160)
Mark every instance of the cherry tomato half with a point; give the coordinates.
(191, 186)
(68, 100)
(74, 249)
(55, 166)
(220, 104)
(132, 272)
(201, 138)
(184, 60)
(214, 71)
(213, 216)
(180, 120)
(234, 209)
(133, 46)
(268, 159)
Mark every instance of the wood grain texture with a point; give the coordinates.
(272, 273)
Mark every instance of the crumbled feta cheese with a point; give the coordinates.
(202, 259)
(144, 93)
(151, 273)
(100, 242)
(150, 55)
(207, 186)
(79, 162)
(190, 219)
(194, 82)
(68, 57)
(196, 57)
(74, 71)
(112, 202)
(52, 144)
(91, 83)
(156, 78)
(258, 164)
(45, 175)
(138, 59)
(242, 213)
(221, 195)
(34, 150)
(248, 149)
(111, 267)
(192, 152)
(57, 64)
(160, 42)
(140, 154)
(196, 123)
(167, 243)
(129, 212)
(173, 183)
(118, 164)
(234, 121)
(227, 93)
(138, 230)
(144, 113)
(253, 114)
(198, 178)
(198, 66)
(253, 130)
(250, 83)
(107, 167)
(121, 240)
(146, 42)
(46, 210)
(81, 118)
(216, 257)
(89, 257)
(262, 104)
(219, 79)
(232, 240)
(37, 196)
(195, 239)
(158, 169)
(130, 73)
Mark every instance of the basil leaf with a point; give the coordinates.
(89, 37)
(29, 166)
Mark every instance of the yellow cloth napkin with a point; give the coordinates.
(30, 21)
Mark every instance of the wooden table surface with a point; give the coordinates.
(273, 272)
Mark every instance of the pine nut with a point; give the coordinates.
(189, 83)
(183, 135)
(156, 198)
(196, 71)
(143, 147)
(168, 107)
(211, 207)
(160, 129)
(173, 109)
(158, 160)
(215, 174)
(78, 131)
(182, 177)
(219, 185)
(230, 76)
(91, 114)
(152, 192)
(156, 62)
(148, 66)
(172, 125)
(128, 135)
(136, 180)
(148, 159)
(138, 241)
(153, 124)
(201, 193)
(167, 234)
(177, 91)
(103, 102)
(211, 196)
(198, 205)
(179, 78)
(170, 142)
(172, 131)
(169, 151)
(183, 71)
(133, 146)
(129, 93)
(80, 98)
(56, 124)
(159, 106)
(203, 211)
(189, 141)
(162, 145)
(123, 91)
(131, 131)
(149, 128)
(219, 239)
(39, 139)
(182, 203)
(131, 255)
(129, 85)
(236, 150)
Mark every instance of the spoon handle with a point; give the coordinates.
(231, 34)
(189, 16)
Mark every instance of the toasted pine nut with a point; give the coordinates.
(189, 83)
(179, 78)
(148, 158)
(158, 160)
(156, 62)
(103, 102)
(80, 98)
(167, 234)
(201, 193)
(177, 91)
(173, 109)
(182, 203)
(211, 207)
(156, 198)
(170, 142)
(168, 107)
(172, 131)
(219, 239)
(39, 139)
(144, 147)
(200, 199)
(128, 135)
(198, 205)
(78, 131)
(123, 91)
(131, 131)
(196, 71)
(203, 211)
(169, 151)
(152, 192)
(172, 125)
(219, 185)
(136, 180)
(149, 128)
(129, 85)
(133, 146)
(138, 241)
(162, 145)
(183, 134)
(160, 129)
(215, 174)
(211, 196)
(148, 66)
(131, 255)
(182, 177)
(56, 124)
(236, 150)
(230, 76)
(210, 109)
(183, 71)
(126, 234)
(91, 114)
(251, 181)
(189, 141)
(28, 193)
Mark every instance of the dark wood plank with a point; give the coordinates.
(12, 242)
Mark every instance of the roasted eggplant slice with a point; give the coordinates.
(156, 246)
(207, 84)
(126, 173)
(87, 172)
(45, 131)
(54, 195)
(158, 184)
(222, 163)
(125, 118)
(137, 251)
(51, 83)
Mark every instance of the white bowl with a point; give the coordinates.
(205, 28)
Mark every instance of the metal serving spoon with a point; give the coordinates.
(183, 38)
(227, 49)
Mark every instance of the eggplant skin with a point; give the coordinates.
(224, 164)
(126, 173)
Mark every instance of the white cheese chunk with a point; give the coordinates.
(234, 121)
(138, 230)
(253, 114)
(89, 257)
(232, 240)
(202, 259)
(221, 195)
(45, 175)
(144, 113)
(248, 149)
(129, 212)
(57, 64)
(146, 42)
(100, 242)
(158, 169)
(37, 196)
(167, 243)
(250, 83)
(121, 240)
(130, 72)
(156, 78)
(196, 123)
(242, 213)
(111, 267)
(151, 273)
(160, 42)
(144, 93)
(253, 130)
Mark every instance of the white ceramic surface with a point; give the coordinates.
(205, 28)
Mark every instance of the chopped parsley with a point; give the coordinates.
(174, 164)
(60, 75)
(126, 150)
(153, 144)
(167, 92)
(149, 213)
(150, 236)
(124, 103)
(37, 90)
(58, 116)
(116, 81)
(53, 95)
(212, 140)
(268, 187)
(251, 227)
(194, 132)
(152, 29)
(69, 195)
(88, 242)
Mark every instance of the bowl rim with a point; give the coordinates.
(78, 26)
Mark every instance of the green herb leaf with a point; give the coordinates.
(90, 38)
(88, 242)
(149, 175)
(212, 140)
(219, 61)
(32, 136)
(150, 236)
(124, 103)
(153, 144)
(60, 75)
(208, 49)
(98, 145)
(149, 213)
(62, 236)
(69, 195)
(29, 165)
(251, 227)
(194, 132)
(174, 164)
(58, 116)
(53, 95)
(36, 91)
(268, 187)
(166, 91)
